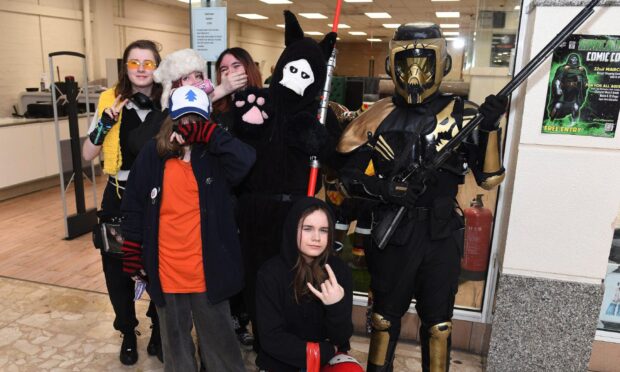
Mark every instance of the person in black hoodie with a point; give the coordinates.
(304, 294)
(284, 143)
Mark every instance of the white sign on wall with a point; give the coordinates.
(209, 31)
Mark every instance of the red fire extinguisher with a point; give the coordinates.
(478, 221)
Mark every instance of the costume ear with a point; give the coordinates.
(292, 29)
(327, 44)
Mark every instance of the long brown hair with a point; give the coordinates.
(312, 272)
(254, 78)
(123, 87)
(162, 139)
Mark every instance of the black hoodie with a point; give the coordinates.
(284, 326)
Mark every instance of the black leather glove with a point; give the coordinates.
(492, 109)
(401, 193)
(104, 125)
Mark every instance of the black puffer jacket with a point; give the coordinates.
(284, 326)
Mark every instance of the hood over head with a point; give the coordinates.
(299, 74)
(288, 249)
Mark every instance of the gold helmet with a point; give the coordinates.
(418, 60)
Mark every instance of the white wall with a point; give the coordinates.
(566, 191)
(264, 45)
(31, 29)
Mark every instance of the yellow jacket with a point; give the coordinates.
(111, 148)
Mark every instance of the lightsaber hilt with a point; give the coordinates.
(331, 66)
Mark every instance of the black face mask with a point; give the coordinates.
(141, 100)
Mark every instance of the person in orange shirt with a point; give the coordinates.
(180, 232)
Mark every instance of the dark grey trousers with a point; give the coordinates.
(218, 344)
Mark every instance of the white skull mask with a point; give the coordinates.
(297, 76)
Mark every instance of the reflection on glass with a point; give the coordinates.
(502, 48)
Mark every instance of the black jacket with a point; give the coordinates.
(217, 166)
(284, 326)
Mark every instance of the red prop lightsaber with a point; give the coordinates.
(322, 115)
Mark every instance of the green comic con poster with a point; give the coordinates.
(584, 87)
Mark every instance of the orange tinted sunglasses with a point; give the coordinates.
(134, 64)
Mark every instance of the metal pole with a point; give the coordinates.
(58, 151)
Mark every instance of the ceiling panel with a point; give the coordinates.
(402, 11)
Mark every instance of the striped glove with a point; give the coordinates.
(196, 131)
(132, 259)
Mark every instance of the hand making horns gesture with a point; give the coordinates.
(116, 108)
(331, 292)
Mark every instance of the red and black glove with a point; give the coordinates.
(132, 259)
(196, 131)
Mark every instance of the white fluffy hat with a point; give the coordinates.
(175, 66)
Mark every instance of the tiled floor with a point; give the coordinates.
(55, 314)
(51, 328)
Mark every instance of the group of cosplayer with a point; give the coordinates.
(209, 185)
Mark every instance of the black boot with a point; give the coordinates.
(129, 349)
(154, 346)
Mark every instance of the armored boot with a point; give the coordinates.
(382, 348)
(435, 343)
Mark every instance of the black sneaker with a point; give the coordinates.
(154, 346)
(129, 349)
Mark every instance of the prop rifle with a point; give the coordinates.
(384, 230)
(331, 65)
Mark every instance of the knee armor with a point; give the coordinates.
(439, 346)
(379, 339)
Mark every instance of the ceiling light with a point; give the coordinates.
(447, 14)
(374, 40)
(313, 15)
(358, 1)
(449, 25)
(451, 33)
(252, 16)
(450, 38)
(314, 33)
(357, 33)
(281, 25)
(518, 7)
(272, 2)
(391, 25)
(378, 15)
(340, 25)
(458, 43)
